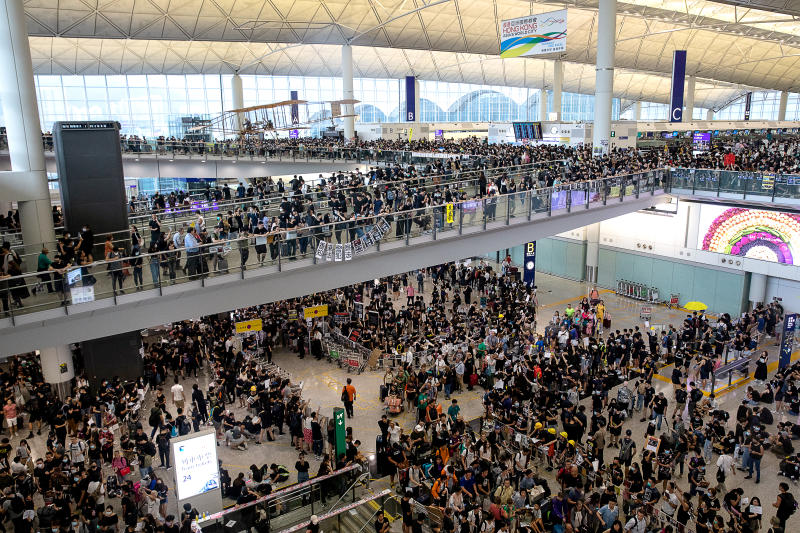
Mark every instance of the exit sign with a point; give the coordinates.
(613, 133)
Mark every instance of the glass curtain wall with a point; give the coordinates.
(153, 105)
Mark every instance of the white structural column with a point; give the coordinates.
(782, 103)
(692, 225)
(758, 288)
(558, 83)
(604, 75)
(689, 100)
(710, 114)
(237, 97)
(637, 115)
(592, 252)
(347, 91)
(57, 367)
(542, 105)
(18, 96)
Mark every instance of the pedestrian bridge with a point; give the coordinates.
(245, 272)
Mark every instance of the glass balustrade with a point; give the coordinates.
(242, 256)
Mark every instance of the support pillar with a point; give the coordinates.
(710, 115)
(542, 105)
(592, 252)
(637, 114)
(237, 97)
(347, 91)
(692, 226)
(18, 97)
(57, 368)
(558, 83)
(689, 100)
(758, 289)
(604, 75)
(782, 103)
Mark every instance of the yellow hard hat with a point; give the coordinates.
(253, 388)
(564, 434)
(538, 425)
(571, 442)
(552, 431)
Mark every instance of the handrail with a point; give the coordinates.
(547, 200)
(280, 493)
(335, 512)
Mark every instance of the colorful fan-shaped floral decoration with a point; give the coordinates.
(767, 235)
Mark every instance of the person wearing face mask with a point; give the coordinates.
(171, 525)
(109, 521)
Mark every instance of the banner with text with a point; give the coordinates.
(678, 79)
(532, 35)
(529, 272)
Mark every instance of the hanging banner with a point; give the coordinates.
(295, 113)
(358, 247)
(532, 35)
(348, 251)
(529, 272)
(748, 102)
(368, 239)
(449, 214)
(678, 79)
(338, 253)
(329, 252)
(321, 250)
(787, 340)
(411, 99)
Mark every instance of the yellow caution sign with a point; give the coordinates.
(247, 326)
(449, 214)
(316, 311)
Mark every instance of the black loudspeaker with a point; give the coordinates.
(113, 356)
(90, 176)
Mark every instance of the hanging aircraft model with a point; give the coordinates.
(276, 117)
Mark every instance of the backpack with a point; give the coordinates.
(149, 448)
(155, 416)
(680, 396)
(696, 395)
(184, 427)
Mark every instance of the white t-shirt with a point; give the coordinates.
(177, 392)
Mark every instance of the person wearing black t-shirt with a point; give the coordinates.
(302, 468)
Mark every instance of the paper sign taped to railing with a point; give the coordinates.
(339, 252)
(348, 251)
(247, 326)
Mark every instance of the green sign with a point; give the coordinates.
(613, 133)
(338, 421)
(335, 355)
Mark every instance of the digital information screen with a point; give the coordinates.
(527, 130)
(196, 467)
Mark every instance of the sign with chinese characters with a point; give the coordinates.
(532, 35)
(196, 467)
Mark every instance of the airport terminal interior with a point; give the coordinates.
(440, 266)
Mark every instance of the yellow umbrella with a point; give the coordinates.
(695, 306)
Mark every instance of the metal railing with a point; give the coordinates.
(243, 257)
(462, 181)
(299, 499)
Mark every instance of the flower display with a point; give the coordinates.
(768, 235)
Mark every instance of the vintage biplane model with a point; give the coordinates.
(273, 118)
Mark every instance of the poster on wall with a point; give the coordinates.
(532, 35)
(753, 233)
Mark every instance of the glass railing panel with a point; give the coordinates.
(787, 186)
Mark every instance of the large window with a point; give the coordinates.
(152, 105)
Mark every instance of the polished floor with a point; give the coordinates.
(322, 383)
